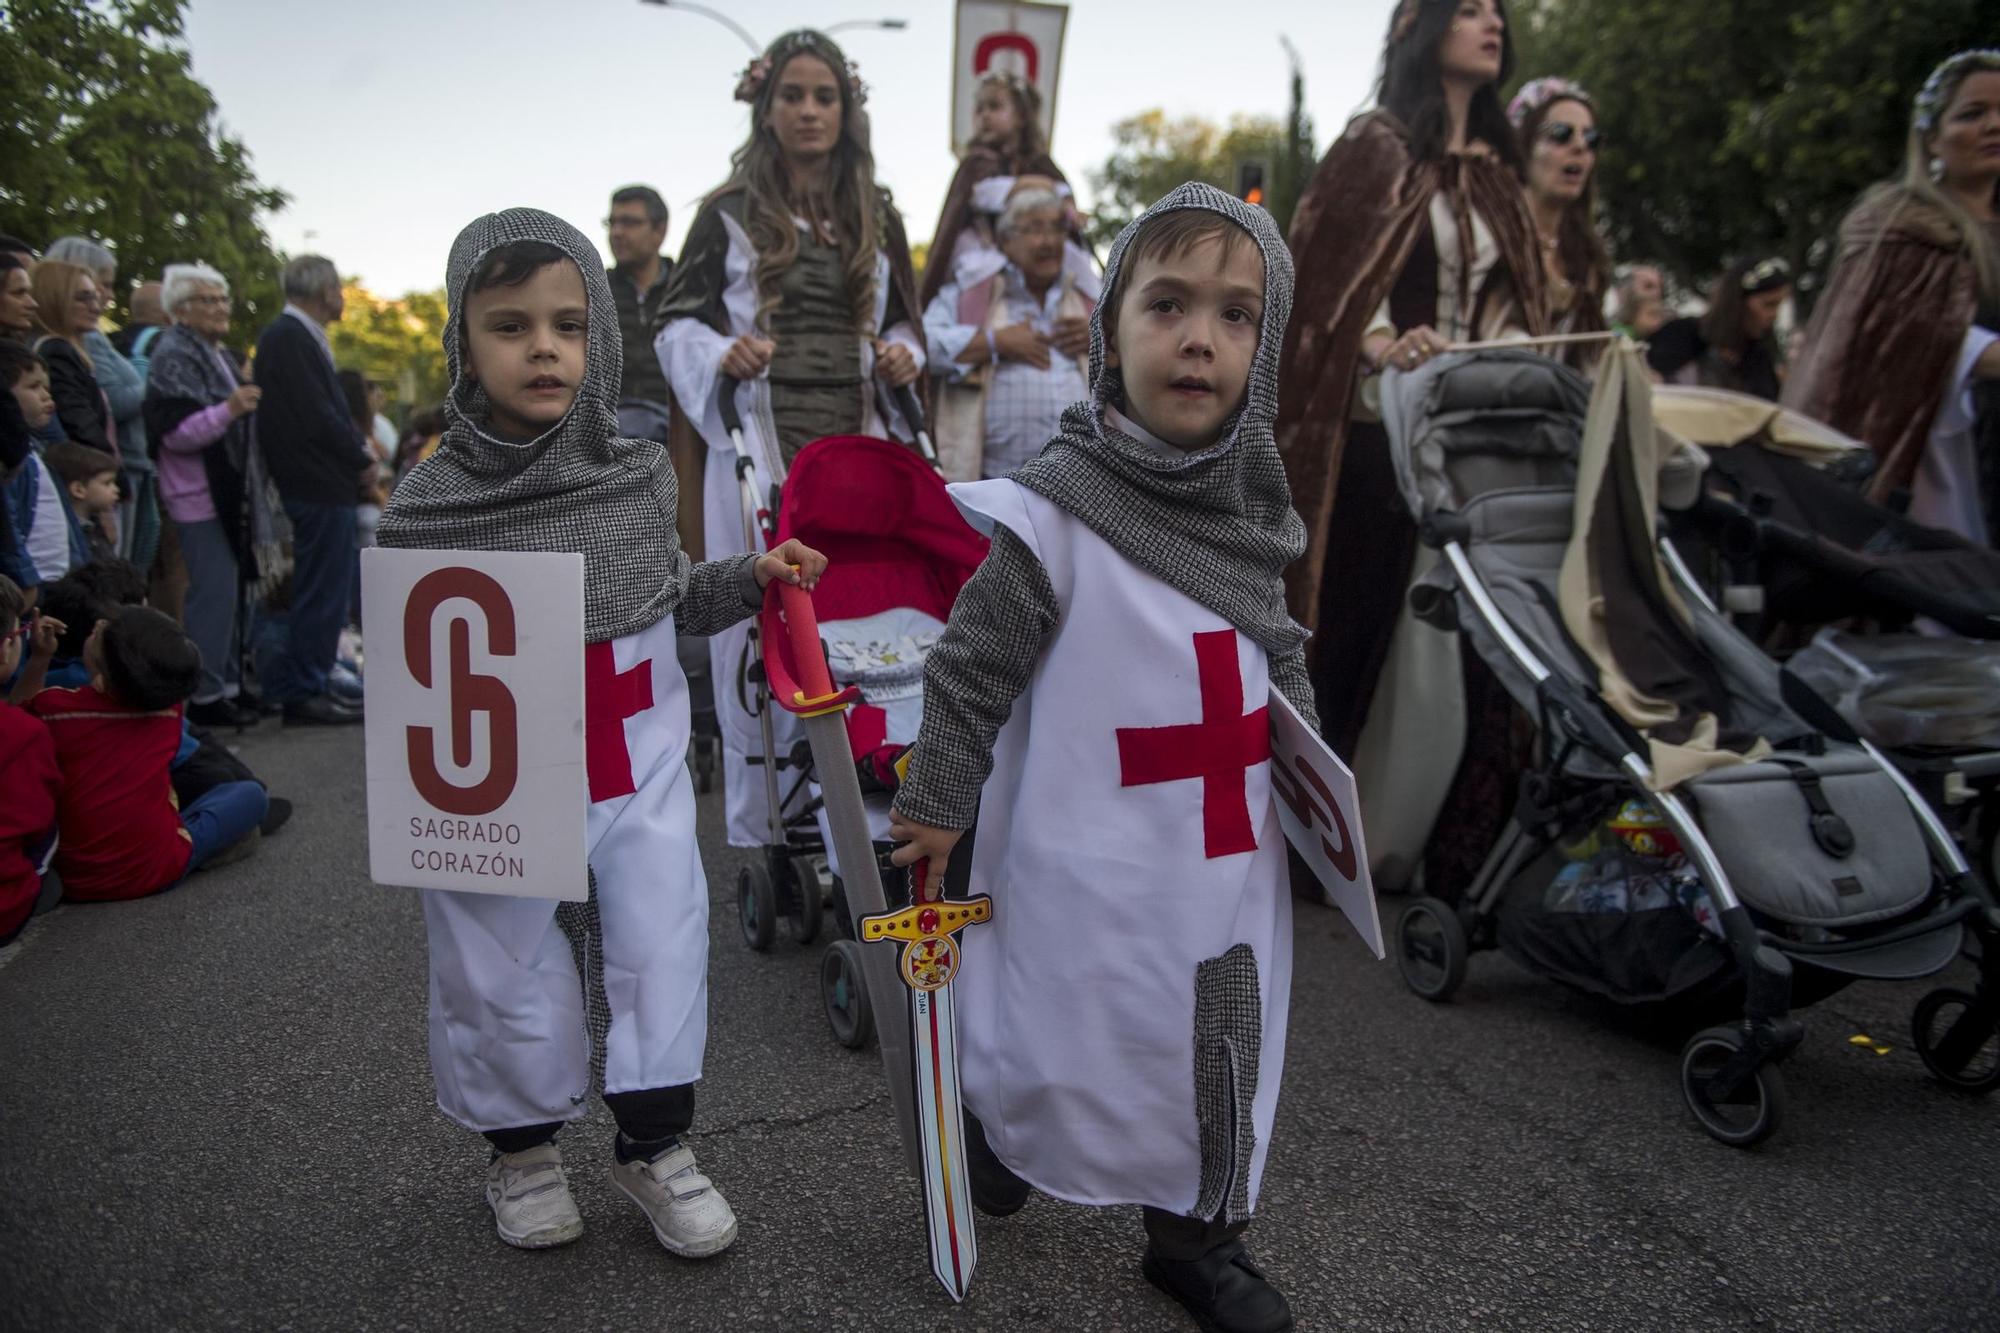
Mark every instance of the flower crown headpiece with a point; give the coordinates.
(750, 84)
(1538, 93)
(1930, 99)
(1767, 275)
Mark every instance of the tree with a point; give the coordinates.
(105, 132)
(1153, 154)
(1737, 128)
(399, 343)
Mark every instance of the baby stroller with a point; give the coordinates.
(897, 554)
(1783, 540)
(1772, 878)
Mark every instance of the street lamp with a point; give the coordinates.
(756, 49)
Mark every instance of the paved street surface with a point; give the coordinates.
(216, 1114)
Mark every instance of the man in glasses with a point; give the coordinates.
(638, 228)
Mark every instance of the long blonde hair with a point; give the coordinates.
(1916, 188)
(850, 202)
(55, 284)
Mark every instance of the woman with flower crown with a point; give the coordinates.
(794, 292)
(1904, 348)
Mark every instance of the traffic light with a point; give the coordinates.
(1250, 182)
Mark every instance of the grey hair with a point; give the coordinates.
(179, 281)
(84, 253)
(307, 277)
(1027, 201)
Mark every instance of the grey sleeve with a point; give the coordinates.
(719, 594)
(982, 664)
(1288, 673)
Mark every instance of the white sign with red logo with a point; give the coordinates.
(1023, 39)
(476, 776)
(1321, 814)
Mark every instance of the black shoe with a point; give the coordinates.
(221, 713)
(319, 711)
(996, 1191)
(1223, 1290)
(258, 704)
(276, 811)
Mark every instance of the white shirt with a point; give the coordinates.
(1024, 403)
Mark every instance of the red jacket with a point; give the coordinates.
(121, 825)
(29, 784)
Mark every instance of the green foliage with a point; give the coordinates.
(106, 133)
(1736, 128)
(398, 343)
(1152, 154)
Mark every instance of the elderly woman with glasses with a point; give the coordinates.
(198, 413)
(1009, 338)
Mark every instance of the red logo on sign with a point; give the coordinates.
(994, 42)
(1315, 807)
(467, 693)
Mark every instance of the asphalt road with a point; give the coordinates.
(216, 1113)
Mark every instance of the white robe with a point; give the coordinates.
(691, 355)
(1122, 1017)
(1945, 491)
(509, 1035)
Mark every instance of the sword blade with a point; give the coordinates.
(941, 1139)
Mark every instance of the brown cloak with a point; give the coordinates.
(1362, 220)
(1885, 336)
(980, 163)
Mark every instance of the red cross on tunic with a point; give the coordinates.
(1219, 749)
(609, 697)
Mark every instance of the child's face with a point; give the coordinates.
(31, 391)
(994, 118)
(97, 496)
(526, 344)
(1187, 330)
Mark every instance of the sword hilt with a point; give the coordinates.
(929, 928)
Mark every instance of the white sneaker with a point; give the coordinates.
(688, 1213)
(529, 1194)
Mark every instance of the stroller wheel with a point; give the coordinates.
(756, 906)
(1958, 1035)
(1747, 1116)
(845, 995)
(803, 920)
(1431, 948)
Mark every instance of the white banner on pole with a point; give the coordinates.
(1321, 814)
(476, 774)
(1021, 37)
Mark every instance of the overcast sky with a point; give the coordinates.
(392, 123)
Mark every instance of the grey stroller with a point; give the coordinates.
(1698, 829)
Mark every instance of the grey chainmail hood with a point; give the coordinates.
(1216, 524)
(577, 487)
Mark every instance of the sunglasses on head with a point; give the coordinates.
(1560, 132)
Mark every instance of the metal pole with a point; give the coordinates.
(892, 25)
(756, 48)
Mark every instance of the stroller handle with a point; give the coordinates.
(913, 413)
(731, 421)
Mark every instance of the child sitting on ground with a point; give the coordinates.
(122, 833)
(1099, 699)
(29, 778)
(532, 461)
(90, 478)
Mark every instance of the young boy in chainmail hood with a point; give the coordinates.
(1100, 700)
(530, 999)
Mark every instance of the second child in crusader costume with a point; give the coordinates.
(1100, 700)
(794, 292)
(533, 1000)
(1414, 234)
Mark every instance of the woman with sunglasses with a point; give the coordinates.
(1734, 345)
(1557, 125)
(67, 306)
(1412, 236)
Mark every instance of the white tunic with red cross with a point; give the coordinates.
(1130, 842)
(508, 1028)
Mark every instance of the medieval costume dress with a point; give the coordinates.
(1099, 699)
(1385, 241)
(1889, 359)
(525, 992)
(821, 382)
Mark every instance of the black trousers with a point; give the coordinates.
(644, 1116)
